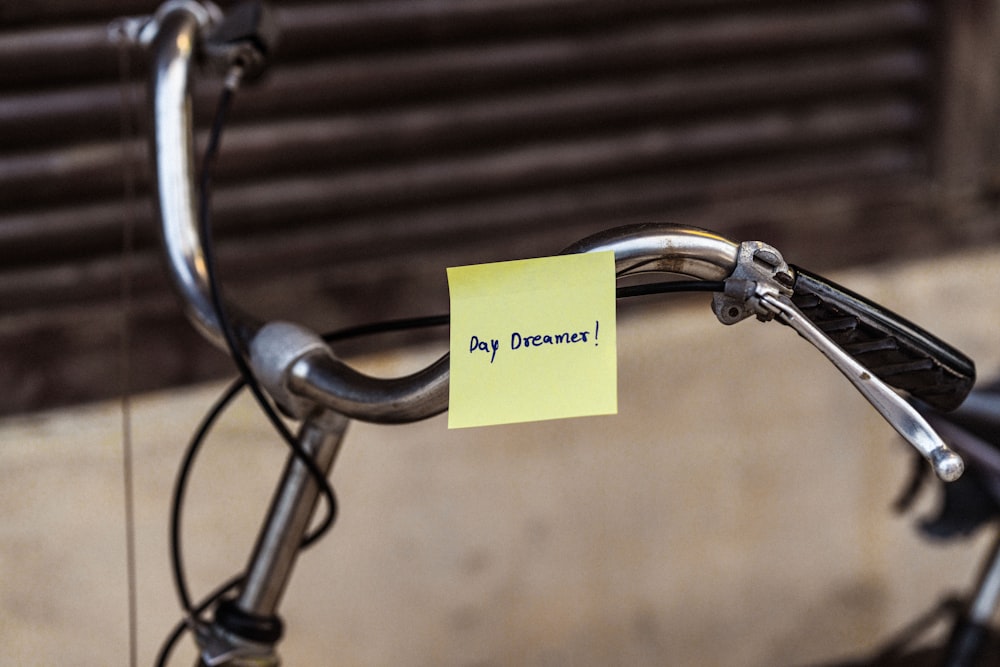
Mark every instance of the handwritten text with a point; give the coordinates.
(520, 340)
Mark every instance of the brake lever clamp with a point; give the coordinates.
(760, 270)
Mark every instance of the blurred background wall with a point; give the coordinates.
(736, 512)
(394, 138)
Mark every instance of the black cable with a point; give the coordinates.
(669, 287)
(180, 491)
(233, 390)
(371, 329)
(247, 379)
(204, 214)
(625, 292)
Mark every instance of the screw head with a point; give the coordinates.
(767, 257)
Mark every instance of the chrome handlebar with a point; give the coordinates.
(174, 38)
(293, 363)
(300, 371)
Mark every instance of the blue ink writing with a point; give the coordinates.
(522, 341)
(519, 340)
(490, 347)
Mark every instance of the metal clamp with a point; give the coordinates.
(760, 269)
(221, 648)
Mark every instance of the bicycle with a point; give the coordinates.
(294, 374)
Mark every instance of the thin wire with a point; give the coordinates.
(235, 350)
(125, 341)
(192, 612)
(670, 287)
(233, 390)
(212, 416)
(247, 379)
(180, 491)
(371, 329)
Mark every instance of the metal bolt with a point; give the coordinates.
(767, 257)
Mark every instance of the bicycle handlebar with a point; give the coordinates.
(173, 47)
(301, 373)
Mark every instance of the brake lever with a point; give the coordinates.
(903, 417)
(762, 285)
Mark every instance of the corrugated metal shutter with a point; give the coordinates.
(395, 137)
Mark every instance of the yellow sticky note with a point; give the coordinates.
(533, 339)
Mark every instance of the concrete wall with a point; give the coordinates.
(736, 512)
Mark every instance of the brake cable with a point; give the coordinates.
(247, 379)
(233, 390)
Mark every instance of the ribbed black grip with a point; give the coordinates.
(900, 353)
